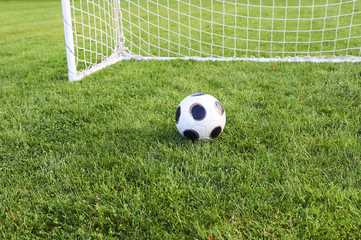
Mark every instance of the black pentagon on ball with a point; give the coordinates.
(219, 108)
(198, 112)
(191, 135)
(215, 132)
(177, 114)
(197, 94)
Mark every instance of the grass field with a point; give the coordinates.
(102, 158)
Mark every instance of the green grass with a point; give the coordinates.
(102, 158)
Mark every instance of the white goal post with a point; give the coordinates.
(101, 32)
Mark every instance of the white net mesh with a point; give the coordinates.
(214, 29)
(96, 31)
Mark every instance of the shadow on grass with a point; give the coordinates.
(149, 136)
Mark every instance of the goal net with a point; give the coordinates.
(101, 32)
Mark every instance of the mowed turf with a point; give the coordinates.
(102, 158)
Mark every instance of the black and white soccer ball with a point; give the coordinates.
(199, 117)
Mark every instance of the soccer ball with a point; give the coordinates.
(200, 116)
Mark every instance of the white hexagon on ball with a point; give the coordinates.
(200, 116)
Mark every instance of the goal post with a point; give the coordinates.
(69, 43)
(92, 35)
(101, 32)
